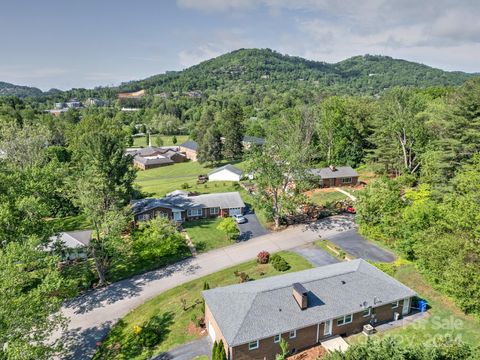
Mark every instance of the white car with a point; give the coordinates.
(240, 219)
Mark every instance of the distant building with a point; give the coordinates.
(181, 206)
(226, 173)
(73, 104)
(72, 244)
(95, 102)
(190, 148)
(153, 157)
(335, 176)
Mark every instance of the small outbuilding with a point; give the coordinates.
(72, 244)
(226, 173)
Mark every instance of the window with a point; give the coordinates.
(346, 180)
(277, 338)
(144, 217)
(214, 211)
(161, 214)
(194, 212)
(347, 319)
(253, 345)
(395, 304)
(367, 312)
(293, 334)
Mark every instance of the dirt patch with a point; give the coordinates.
(312, 353)
(192, 329)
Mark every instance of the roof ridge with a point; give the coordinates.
(244, 318)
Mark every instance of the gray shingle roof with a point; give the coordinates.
(72, 239)
(190, 144)
(161, 159)
(228, 167)
(179, 201)
(340, 172)
(253, 140)
(262, 308)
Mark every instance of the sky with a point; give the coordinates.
(65, 43)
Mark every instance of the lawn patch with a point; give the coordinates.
(204, 234)
(71, 223)
(167, 140)
(184, 302)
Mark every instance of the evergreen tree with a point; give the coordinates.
(232, 124)
(210, 146)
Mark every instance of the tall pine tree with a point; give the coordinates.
(233, 131)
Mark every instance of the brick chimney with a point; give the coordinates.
(300, 295)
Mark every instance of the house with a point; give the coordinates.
(304, 308)
(72, 244)
(249, 141)
(95, 102)
(226, 173)
(190, 148)
(181, 206)
(152, 157)
(335, 176)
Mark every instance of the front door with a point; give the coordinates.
(406, 306)
(327, 330)
(177, 216)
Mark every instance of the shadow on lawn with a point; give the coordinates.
(126, 288)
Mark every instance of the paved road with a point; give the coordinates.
(251, 229)
(353, 243)
(93, 314)
(315, 255)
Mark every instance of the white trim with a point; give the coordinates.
(216, 212)
(198, 212)
(369, 312)
(327, 327)
(255, 346)
(406, 306)
(318, 332)
(292, 334)
(279, 336)
(395, 304)
(347, 182)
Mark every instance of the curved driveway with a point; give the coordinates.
(92, 314)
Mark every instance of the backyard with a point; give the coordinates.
(445, 317)
(167, 140)
(177, 307)
(160, 181)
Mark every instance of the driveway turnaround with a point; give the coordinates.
(353, 243)
(251, 229)
(315, 255)
(92, 314)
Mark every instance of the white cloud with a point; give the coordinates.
(216, 5)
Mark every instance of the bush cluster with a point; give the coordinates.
(279, 263)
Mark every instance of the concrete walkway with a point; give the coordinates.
(350, 196)
(93, 314)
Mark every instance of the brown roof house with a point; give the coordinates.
(190, 149)
(333, 176)
(180, 206)
(152, 157)
(305, 308)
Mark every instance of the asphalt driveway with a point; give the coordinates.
(188, 351)
(252, 228)
(315, 255)
(354, 243)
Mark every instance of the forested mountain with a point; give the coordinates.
(17, 90)
(248, 68)
(259, 70)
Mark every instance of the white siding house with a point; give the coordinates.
(226, 173)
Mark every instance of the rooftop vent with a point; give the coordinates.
(333, 168)
(300, 295)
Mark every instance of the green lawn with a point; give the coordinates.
(71, 223)
(323, 198)
(175, 320)
(204, 234)
(167, 140)
(160, 181)
(445, 317)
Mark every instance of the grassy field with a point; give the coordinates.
(445, 317)
(204, 234)
(175, 317)
(167, 140)
(159, 181)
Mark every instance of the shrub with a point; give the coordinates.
(263, 257)
(185, 186)
(279, 263)
(229, 227)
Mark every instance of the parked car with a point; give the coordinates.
(350, 209)
(240, 219)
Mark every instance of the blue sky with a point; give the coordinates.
(64, 44)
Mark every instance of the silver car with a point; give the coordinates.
(240, 219)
